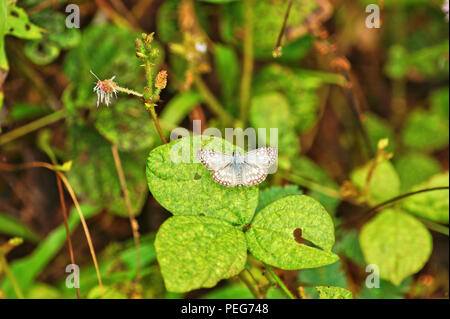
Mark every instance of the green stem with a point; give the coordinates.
(212, 102)
(4, 265)
(247, 67)
(32, 126)
(435, 226)
(151, 108)
(280, 282)
(249, 285)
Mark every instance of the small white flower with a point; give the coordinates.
(201, 47)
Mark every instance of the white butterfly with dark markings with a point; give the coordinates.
(239, 169)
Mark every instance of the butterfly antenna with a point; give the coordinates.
(95, 75)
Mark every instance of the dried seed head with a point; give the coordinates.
(161, 80)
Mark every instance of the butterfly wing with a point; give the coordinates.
(214, 160)
(226, 176)
(256, 165)
(262, 157)
(253, 174)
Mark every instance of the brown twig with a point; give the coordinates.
(66, 225)
(277, 50)
(133, 222)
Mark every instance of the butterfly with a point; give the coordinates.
(239, 169)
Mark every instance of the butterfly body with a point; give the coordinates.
(239, 169)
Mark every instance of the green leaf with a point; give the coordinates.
(126, 125)
(426, 131)
(188, 189)
(378, 129)
(348, 246)
(333, 293)
(3, 59)
(271, 110)
(432, 205)
(228, 70)
(272, 235)
(331, 275)
(384, 184)
(198, 251)
(397, 243)
(274, 193)
(13, 227)
(179, 107)
(94, 175)
(306, 168)
(415, 168)
(386, 290)
(18, 24)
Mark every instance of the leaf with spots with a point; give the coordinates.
(333, 293)
(18, 24)
(398, 243)
(197, 252)
(294, 232)
(183, 186)
(270, 195)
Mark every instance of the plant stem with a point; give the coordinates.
(151, 108)
(250, 287)
(32, 126)
(435, 227)
(278, 280)
(4, 265)
(247, 67)
(311, 185)
(66, 225)
(211, 101)
(133, 222)
(278, 47)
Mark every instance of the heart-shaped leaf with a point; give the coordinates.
(184, 187)
(198, 251)
(294, 232)
(397, 243)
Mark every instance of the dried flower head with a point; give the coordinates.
(161, 80)
(105, 90)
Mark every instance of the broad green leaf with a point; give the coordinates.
(333, 293)
(271, 194)
(426, 131)
(198, 251)
(384, 184)
(432, 205)
(94, 174)
(300, 89)
(43, 291)
(294, 232)
(108, 293)
(127, 125)
(268, 19)
(186, 188)
(397, 243)
(415, 168)
(28, 268)
(18, 24)
(13, 227)
(271, 110)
